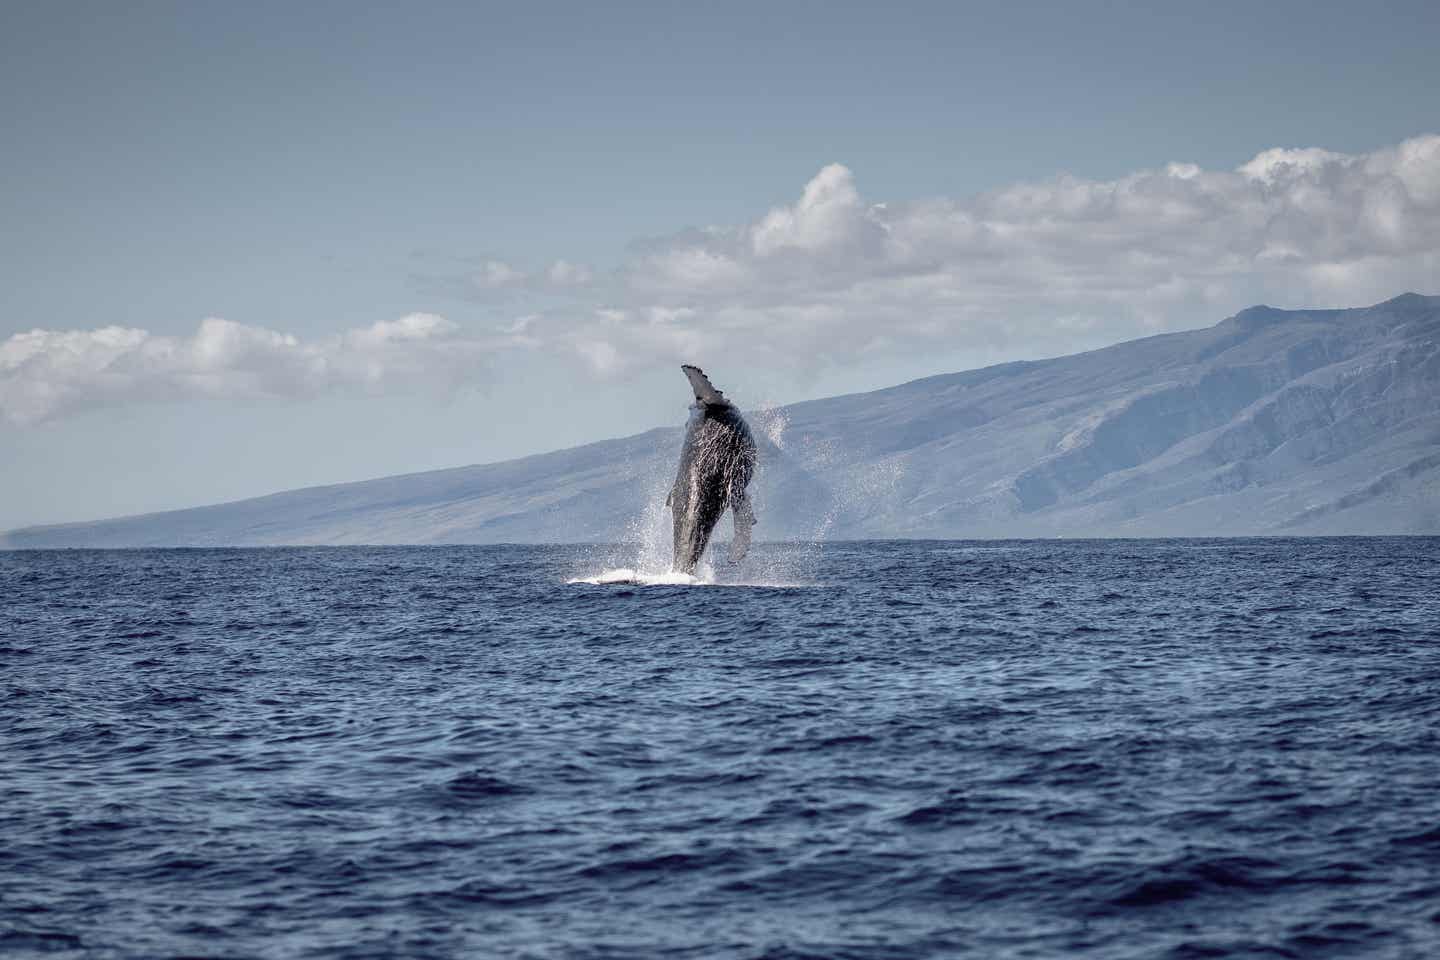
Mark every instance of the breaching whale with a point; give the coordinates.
(716, 463)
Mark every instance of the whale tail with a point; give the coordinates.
(705, 391)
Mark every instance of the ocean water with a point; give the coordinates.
(894, 750)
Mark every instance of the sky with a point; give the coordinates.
(251, 247)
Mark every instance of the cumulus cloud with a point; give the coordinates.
(1033, 268)
(46, 373)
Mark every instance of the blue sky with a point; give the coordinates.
(251, 247)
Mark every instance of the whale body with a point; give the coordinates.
(717, 461)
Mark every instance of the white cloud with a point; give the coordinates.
(833, 278)
(412, 327)
(829, 217)
(46, 373)
(1031, 269)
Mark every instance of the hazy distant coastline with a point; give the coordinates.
(1271, 422)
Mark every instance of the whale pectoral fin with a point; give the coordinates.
(705, 391)
(744, 517)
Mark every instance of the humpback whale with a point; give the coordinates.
(716, 463)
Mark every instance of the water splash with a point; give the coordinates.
(644, 555)
(771, 423)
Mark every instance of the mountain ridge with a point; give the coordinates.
(1269, 422)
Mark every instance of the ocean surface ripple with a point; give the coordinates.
(1109, 749)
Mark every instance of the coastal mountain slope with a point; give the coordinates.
(1301, 422)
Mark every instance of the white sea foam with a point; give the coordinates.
(639, 578)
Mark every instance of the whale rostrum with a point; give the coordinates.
(717, 461)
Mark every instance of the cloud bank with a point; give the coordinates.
(1035, 267)
(1032, 269)
(46, 374)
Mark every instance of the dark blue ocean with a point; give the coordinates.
(1102, 749)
